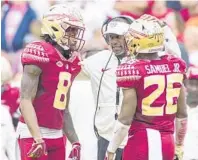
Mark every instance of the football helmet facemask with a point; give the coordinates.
(65, 26)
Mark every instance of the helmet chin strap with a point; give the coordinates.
(64, 47)
(64, 52)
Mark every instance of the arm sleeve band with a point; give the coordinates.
(181, 127)
(120, 132)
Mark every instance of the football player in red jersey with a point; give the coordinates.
(49, 67)
(154, 95)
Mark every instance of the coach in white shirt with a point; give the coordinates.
(101, 69)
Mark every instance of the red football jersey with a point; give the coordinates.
(55, 81)
(157, 84)
(10, 97)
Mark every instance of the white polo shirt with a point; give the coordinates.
(94, 66)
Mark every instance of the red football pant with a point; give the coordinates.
(149, 145)
(55, 149)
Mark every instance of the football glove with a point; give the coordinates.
(38, 149)
(75, 152)
(178, 153)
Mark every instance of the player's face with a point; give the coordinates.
(70, 39)
(192, 89)
(117, 43)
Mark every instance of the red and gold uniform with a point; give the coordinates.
(157, 84)
(55, 80)
(50, 101)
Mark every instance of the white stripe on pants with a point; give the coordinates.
(154, 144)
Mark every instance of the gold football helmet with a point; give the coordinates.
(144, 37)
(65, 26)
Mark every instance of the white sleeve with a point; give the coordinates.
(171, 45)
(86, 66)
(91, 63)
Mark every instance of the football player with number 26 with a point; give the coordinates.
(153, 96)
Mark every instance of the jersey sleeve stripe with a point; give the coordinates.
(34, 57)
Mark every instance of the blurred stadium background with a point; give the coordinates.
(21, 23)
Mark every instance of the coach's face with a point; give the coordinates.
(117, 43)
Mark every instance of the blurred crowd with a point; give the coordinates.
(21, 23)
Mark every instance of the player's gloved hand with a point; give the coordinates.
(178, 152)
(38, 149)
(75, 152)
(148, 17)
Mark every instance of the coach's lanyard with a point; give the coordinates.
(98, 96)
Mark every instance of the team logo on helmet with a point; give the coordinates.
(144, 37)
